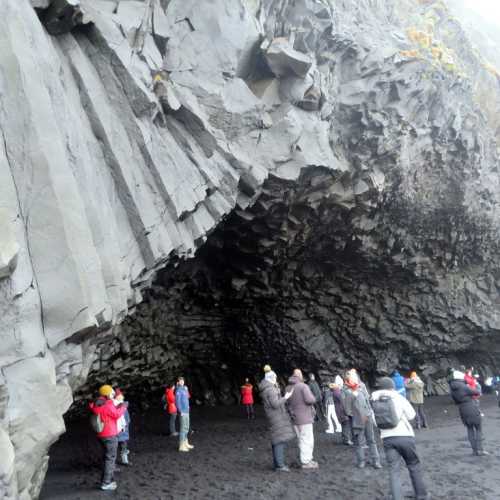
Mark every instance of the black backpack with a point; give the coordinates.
(385, 412)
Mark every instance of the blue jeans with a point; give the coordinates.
(184, 427)
(279, 455)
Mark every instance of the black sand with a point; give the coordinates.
(232, 461)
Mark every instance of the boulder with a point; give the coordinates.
(284, 60)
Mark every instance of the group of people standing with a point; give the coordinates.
(350, 410)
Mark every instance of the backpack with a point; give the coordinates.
(384, 410)
(96, 423)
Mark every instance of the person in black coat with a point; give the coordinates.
(314, 386)
(470, 414)
(280, 424)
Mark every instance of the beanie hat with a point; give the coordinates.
(267, 368)
(105, 390)
(458, 375)
(385, 383)
(339, 381)
(270, 376)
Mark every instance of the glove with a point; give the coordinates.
(288, 395)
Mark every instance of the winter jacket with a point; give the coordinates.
(415, 389)
(404, 411)
(339, 406)
(247, 394)
(328, 397)
(399, 382)
(348, 397)
(462, 396)
(182, 399)
(124, 435)
(314, 386)
(277, 415)
(301, 403)
(109, 414)
(361, 408)
(170, 400)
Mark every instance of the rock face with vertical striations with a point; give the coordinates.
(206, 186)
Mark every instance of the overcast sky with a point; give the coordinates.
(488, 8)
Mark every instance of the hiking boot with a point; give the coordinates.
(282, 469)
(483, 453)
(189, 446)
(108, 486)
(361, 465)
(377, 465)
(311, 465)
(330, 431)
(173, 434)
(348, 443)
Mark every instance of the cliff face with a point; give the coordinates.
(318, 181)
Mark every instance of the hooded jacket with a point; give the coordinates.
(462, 395)
(280, 425)
(182, 399)
(404, 411)
(109, 414)
(247, 394)
(399, 383)
(301, 403)
(415, 388)
(170, 398)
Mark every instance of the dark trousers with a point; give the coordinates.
(250, 412)
(363, 438)
(475, 435)
(346, 432)
(420, 418)
(171, 422)
(279, 455)
(320, 414)
(397, 448)
(110, 448)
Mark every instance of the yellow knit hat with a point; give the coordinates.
(105, 390)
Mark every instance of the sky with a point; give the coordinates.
(488, 8)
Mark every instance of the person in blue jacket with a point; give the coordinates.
(124, 435)
(399, 383)
(182, 402)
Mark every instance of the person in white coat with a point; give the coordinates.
(399, 441)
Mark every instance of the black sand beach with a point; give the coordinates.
(232, 461)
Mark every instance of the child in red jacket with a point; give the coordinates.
(247, 398)
(109, 414)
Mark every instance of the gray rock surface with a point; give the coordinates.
(316, 181)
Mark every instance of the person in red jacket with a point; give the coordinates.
(471, 381)
(109, 413)
(247, 398)
(171, 408)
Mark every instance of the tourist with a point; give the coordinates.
(247, 398)
(415, 388)
(313, 385)
(280, 425)
(398, 438)
(340, 411)
(331, 415)
(108, 414)
(182, 404)
(171, 409)
(399, 383)
(123, 425)
(301, 407)
(357, 405)
(469, 411)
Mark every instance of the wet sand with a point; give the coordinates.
(232, 461)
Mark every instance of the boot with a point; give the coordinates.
(189, 446)
(183, 446)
